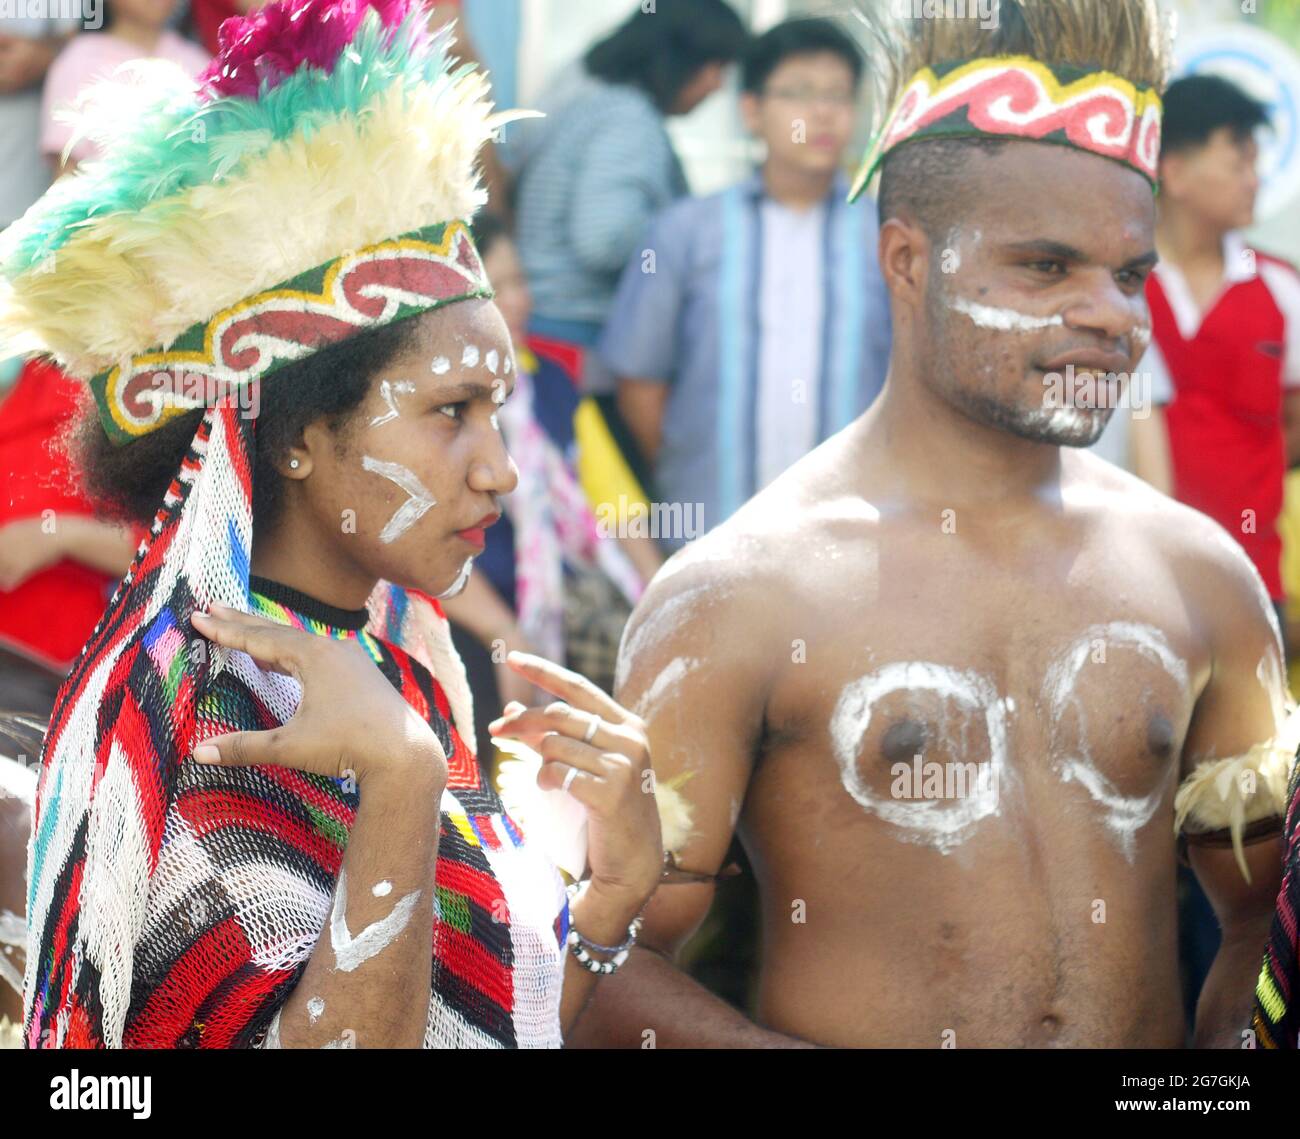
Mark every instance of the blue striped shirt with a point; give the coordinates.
(591, 175)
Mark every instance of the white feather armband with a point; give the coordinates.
(1228, 794)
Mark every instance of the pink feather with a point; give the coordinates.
(273, 42)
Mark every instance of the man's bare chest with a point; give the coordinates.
(932, 709)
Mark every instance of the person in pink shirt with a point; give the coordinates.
(134, 29)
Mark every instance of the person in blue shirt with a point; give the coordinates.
(754, 323)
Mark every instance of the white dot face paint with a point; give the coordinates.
(440, 366)
(352, 952)
(469, 358)
(1002, 319)
(508, 365)
(315, 1007)
(945, 823)
(413, 509)
(493, 360)
(389, 390)
(496, 423)
(1123, 815)
(382, 889)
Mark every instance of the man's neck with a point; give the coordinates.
(796, 189)
(1188, 242)
(981, 465)
(144, 36)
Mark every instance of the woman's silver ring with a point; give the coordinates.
(592, 729)
(569, 778)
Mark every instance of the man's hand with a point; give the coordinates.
(24, 62)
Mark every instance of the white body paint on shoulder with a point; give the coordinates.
(413, 509)
(1124, 815)
(1002, 319)
(315, 1007)
(940, 823)
(664, 683)
(352, 952)
(382, 889)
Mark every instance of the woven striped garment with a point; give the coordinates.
(1277, 1002)
(175, 905)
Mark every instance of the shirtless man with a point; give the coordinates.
(953, 578)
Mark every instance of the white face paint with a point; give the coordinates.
(382, 889)
(496, 423)
(1123, 815)
(352, 952)
(440, 366)
(469, 358)
(413, 509)
(315, 1007)
(508, 365)
(1002, 319)
(940, 823)
(461, 581)
(388, 392)
(493, 360)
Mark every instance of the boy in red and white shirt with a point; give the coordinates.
(1226, 320)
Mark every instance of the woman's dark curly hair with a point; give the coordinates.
(127, 482)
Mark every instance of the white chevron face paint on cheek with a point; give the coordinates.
(389, 390)
(413, 509)
(1002, 319)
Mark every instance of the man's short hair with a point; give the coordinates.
(1199, 105)
(792, 38)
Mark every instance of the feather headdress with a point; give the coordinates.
(322, 129)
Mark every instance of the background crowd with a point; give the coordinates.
(689, 322)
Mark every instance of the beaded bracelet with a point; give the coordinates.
(579, 946)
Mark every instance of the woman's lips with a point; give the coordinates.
(476, 535)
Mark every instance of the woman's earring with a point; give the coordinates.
(294, 464)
